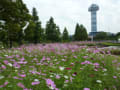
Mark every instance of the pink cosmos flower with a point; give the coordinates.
(6, 62)
(17, 78)
(21, 62)
(4, 84)
(35, 83)
(57, 77)
(50, 83)
(95, 69)
(66, 81)
(22, 59)
(48, 59)
(86, 62)
(75, 56)
(22, 75)
(43, 58)
(85, 57)
(17, 56)
(16, 65)
(20, 85)
(3, 67)
(9, 57)
(71, 79)
(86, 88)
(82, 63)
(95, 51)
(27, 89)
(114, 76)
(96, 64)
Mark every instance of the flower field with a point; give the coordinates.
(59, 67)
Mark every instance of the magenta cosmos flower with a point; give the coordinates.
(86, 89)
(35, 83)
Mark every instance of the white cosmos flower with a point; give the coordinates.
(65, 85)
(55, 60)
(16, 51)
(61, 68)
(104, 70)
(1, 77)
(66, 77)
(51, 88)
(118, 68)
(99, 81)
(9, 64)
(105, 74)
(51, 75)
(16, 70)
(36, 80)
(6, 55)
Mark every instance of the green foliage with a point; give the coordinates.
(52, 31)
(15, 15)
(118, 35)
(101, 36)
(37, 29)
(77, 33)
(65, 36)
(80, 33)
(110, 44)
(34, 32)
(29, 33)
(58, 34)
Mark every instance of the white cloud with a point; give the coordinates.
(69, 12)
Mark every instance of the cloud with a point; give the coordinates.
(69, 12)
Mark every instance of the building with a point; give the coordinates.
(93, 9)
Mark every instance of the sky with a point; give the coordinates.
(67, 13)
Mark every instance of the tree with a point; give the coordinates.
(84, 35)
(80, 33)
(42, 35)
(52, 31)
(29, 32)
(118, 35)
(58, 34)
(38, 31)
(34, 33)
(3, 36)
(101, 36)
(65, 36)
(15, 14)
(37, 26)
(77, 35)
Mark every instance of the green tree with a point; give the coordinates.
(101, 36)
(42, 35)
(77, 35)
(29, 32)
(84, 35)
(65, 36)
(51, 31)
(3, 35)
(80, 33)
(118, 35)
(38, 31)
(58, 34)
(15, 15)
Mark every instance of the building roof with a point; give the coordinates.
(93, 7)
